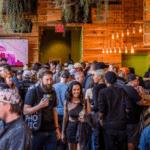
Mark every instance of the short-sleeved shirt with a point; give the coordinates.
(145, 139)
(134, 114)
(113, 102)
(23, 87)
(60, 89)
(48, 123)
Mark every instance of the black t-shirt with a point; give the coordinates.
(23, 87)
(96, 90)
(48, 123)
(134, 114)
(120, 82)
(113, 102)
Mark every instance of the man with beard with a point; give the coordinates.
(41, 115)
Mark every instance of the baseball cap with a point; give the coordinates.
(131, 77)
(65, 74)
(101, 65)
(19, 72)
(72, 72)
(27, 73)
(9, 96)
(125, 70)
(77, 65)
(111, 77)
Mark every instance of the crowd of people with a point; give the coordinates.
(72, 106)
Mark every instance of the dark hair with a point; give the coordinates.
(44, 72)
(132, 70)
(46, 65)
(70, 62)
(68, 94)
(15, 108)
(3, 59)
(53, 63)
(36, 66)
(83, 64)
(6, 66)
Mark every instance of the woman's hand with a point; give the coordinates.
(81, 119)
(58, 134)
(63, 138)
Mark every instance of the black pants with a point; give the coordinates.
(98, 137)
(115, 140)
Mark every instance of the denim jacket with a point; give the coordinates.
(15, 135)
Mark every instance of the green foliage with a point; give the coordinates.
(67, 13)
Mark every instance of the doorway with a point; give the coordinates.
(55, 46)
(139, 61)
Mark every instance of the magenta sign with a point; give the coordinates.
(16, 51)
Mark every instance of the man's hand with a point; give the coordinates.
(101, 123)
(63, 138)
(44, 102)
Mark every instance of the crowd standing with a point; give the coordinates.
(72, 106)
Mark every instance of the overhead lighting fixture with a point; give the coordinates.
(122, 33)
(107, 50)
(103, 50)
(113, 37)
(117, 35)
(110, 50)
(140, 29)
(114, 49)
(126, 50)
(127, 31)
(119, 49)
(132, 49)
(133, 30)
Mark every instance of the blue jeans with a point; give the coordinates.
(1, 123)
(48, 140)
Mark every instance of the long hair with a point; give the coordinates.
(68, 94)
(7, 74)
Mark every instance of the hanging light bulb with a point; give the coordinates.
(140, 29)
(114, 49)
(113, 36)
(107, 50)
(122, 33)
(126, 50)
(103, 50)
(127, 31)
(133, 30)
(117, 34)
(110, 50)
(132, 49)
(119, 49)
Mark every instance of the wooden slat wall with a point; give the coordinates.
(96, 35)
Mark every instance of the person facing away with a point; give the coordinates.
(113, 104)
(14, 132)
(40, 113)
(133, 119)
(99, 84)
(25, 84)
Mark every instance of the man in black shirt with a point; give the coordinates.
(133, 118)
(40, 104)
(113, 103)
(25, 84)
(98, 132)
